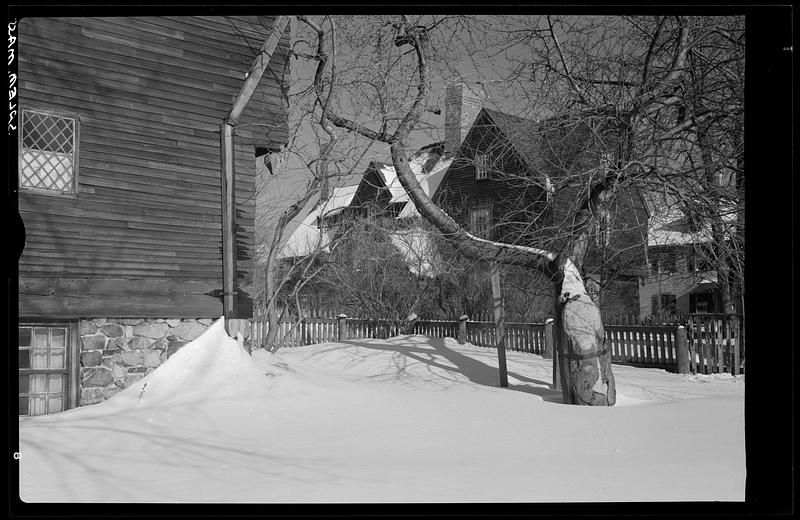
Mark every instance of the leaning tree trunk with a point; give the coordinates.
(584, 360)
(586, 369)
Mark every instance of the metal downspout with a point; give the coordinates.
(227, 127)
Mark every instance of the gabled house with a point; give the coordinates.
(381, 193)
(119, 191)
(681, 278)
(378, 194)
(515, 180)
(317, 229)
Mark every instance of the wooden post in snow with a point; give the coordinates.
(499, 323)
(683, 350)
(548, 338)
(341, 321)
(462, 329)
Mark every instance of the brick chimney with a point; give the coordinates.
(462, 103)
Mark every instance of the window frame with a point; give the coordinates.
(697, 262)
(602, 228)
(658, 307)
(482, 170)
(73, 193)
(71, 368)
(473, 213)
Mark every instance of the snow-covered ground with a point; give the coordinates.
(410, 419)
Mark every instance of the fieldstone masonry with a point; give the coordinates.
(115, 353)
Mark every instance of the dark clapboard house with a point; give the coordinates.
(120, 191)
(510, 181)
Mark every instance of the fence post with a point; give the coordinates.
(735, 332)
(683, 350)
(412, 323)
(499, 323)
(548, 338)
(462, 329)
(341, 322)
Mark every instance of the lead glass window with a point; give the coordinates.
(49, 146)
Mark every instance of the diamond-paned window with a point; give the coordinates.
(49, 146)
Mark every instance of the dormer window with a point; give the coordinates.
(482, 167)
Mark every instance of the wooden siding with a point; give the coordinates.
(142, 237)
(505, 192)
(516, 202)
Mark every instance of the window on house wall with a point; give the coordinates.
(602, 228)
(480, 222)
(698, 262)
(44, 375)
(482, 167)
(606, 161)
(663, 261)
(48, 161)
(549, 189)
(663, 304)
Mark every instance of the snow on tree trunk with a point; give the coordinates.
(584, 361)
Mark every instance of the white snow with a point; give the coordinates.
(308, 237)
(410, 419)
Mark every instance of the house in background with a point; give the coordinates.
(680, 279)
(508, 182)
(377, 194)
(316, 231)
(498, 175)
(119, 191)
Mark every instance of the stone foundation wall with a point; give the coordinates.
(115, 353)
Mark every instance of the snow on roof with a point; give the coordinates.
(308, 237)
(669, 226)
(427, 165)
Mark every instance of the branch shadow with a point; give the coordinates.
(431, 351)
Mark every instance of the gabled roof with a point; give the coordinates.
(307, 237)
(546, 147)
(672, 228)
(524, 135)
(428, 166)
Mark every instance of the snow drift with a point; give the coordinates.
(410, 419)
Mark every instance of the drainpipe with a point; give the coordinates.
(228, 223)
(227, 128)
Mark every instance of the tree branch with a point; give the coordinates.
(567, 73)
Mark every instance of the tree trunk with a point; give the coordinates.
(584, 360)
(271, 310)
(579, 333)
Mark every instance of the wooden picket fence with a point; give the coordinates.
(520, 337)
(714, 342)
(643, 345)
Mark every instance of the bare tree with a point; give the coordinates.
(381, 271)
(321, 163)
(617, 84)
